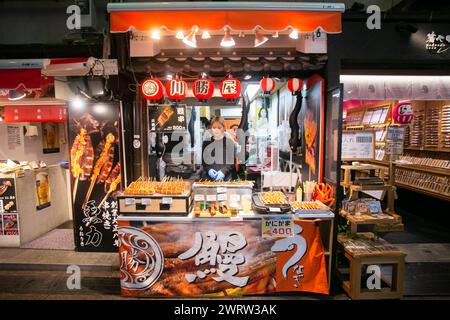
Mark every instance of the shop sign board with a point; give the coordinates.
(279, 226)
(218, 258)
(358, 145)
(167, 118)
(8, 208)
(95, 207)
(437, 43)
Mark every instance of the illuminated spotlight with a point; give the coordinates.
(180, 35)
(260, 38)
(15, 94)
(169, 76)
(77, 103)
(204, 75)
(293, 34)
(227, 40)
(156, 35)
(206, 35)
(247, 77)
(190, 38)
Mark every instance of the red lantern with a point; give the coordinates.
(152, 89)
(295, 86)
(176, 89)
(267, 85)
(230, 88)
(203, 89)
(403, 113)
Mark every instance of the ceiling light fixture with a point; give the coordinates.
(260, 38)
(190, 40)
(227, 40)
(247, 77)
(156, 35)
(206, 35)
(169, 76)
(180, 35)
(293, 34)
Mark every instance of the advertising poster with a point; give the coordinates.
(95, 174)
(167, 118)
(1, 225)
(7, 196)
(218, 259)
(42, 191)
(50, 137)
(311, 121)
(10, 225)
(358, 145)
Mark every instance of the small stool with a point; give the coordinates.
(358, 257)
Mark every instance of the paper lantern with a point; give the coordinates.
(176, 89)
(295, 86)
(230, 88)
(267, 85)
(203, 89)
(403, 113)
(152, 89)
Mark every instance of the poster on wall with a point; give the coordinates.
(95, 175)
(42, 191)
(311, 122)
(223, 259)
(167, 118)
(8, 207)
(50, 137)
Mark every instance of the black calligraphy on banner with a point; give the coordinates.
(95, 175)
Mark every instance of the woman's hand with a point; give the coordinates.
(212, 173)
(220, 176)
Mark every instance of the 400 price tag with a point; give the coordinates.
(277, 226)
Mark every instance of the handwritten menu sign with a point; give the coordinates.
(13, 135)
(358, 145)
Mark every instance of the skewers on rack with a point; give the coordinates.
(149, 186)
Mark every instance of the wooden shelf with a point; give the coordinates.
(429, 169)
(423, 191)
(369, 219)
(368, 187)
(428, 149)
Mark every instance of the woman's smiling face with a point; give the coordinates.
(217, 130)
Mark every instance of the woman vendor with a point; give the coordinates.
(218, 154)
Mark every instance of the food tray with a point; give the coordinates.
(259, 207)
(313, 211)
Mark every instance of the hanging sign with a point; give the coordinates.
(176, 89)
(437, 43)
(203, 89)
(167, 118)
(403, 113)
(358, 145)
(295, 86)
(230, 88)
(152, 89)
(267, 85)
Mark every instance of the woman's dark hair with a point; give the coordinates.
(265, 109)
(233, 125)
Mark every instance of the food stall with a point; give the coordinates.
(187, 236)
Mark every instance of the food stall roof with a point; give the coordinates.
(271, 17)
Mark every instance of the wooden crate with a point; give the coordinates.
(358, 259)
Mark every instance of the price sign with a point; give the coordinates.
(129, 201)
(221, 190)
(222, 197)
(199, 197)
(146, 201)
(166, 200)
(211, 197)
(277, 226)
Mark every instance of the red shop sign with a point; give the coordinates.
(152, 89)
(230, 88)
(203, 89)
(176, 89)
(35, 113)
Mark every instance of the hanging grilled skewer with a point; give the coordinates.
(99, 165)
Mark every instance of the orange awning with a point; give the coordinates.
(305, 17)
